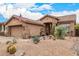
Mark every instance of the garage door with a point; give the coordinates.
(16, 31)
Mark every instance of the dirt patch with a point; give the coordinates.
(43, 48)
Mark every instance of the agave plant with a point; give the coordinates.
(36, 39)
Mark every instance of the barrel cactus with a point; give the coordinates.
(12, 49)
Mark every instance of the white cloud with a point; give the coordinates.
(23, 5)
(63, 13)
(31, 15)
(10, 10)
(7, 10)
(43, 7)
(22, 9)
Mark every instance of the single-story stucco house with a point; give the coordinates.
(18, 26)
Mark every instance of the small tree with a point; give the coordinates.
(60, 32)
(77, 26)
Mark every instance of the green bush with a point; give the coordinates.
(60, 32)
(77, 26)
(35, 39)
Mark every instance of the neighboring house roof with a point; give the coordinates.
(1, 24)
(26, 20)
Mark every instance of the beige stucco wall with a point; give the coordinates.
(49, 19)
(13, 22)
(71, 27)
(29, 29)
(33, 30)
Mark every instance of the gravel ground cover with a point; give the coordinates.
(48, 47)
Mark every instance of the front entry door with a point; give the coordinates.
(48, 27)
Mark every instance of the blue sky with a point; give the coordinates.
(37, 10)
(62, 6)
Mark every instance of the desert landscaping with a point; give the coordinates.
(47, 47)
(49, 36)
(39, 29)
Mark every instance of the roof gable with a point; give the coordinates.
(48, 16)
(25, 20)
(13, 21)
(13, 17)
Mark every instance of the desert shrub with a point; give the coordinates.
(77, 26)
(0, 28)
(12, 49)
(8, 42)
(36, 39)
(11, 42)
(8, 46)
(77, 30)
(60, 32)
(35, 36)
(14, 41)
